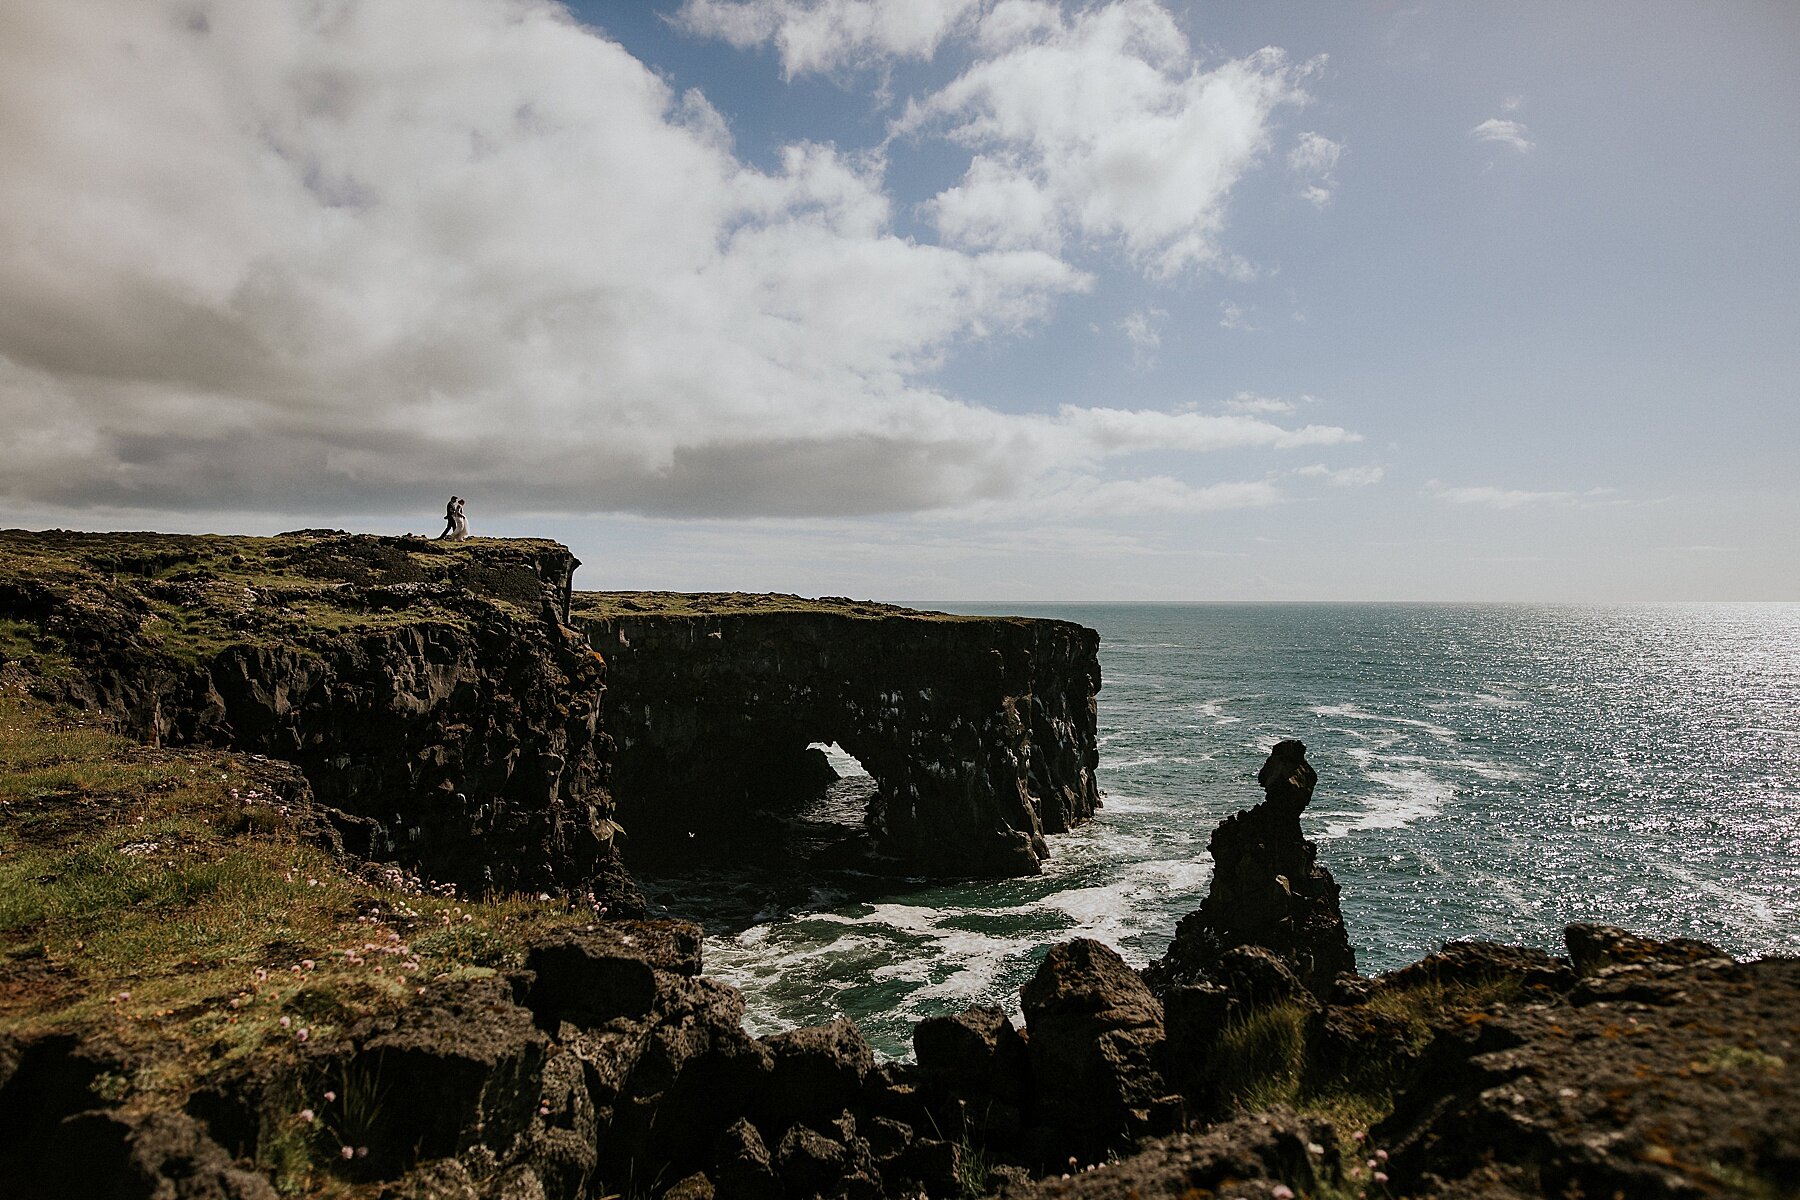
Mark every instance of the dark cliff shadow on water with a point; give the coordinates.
(810, 857)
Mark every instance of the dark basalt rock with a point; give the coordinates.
(980, 733)
(976, 1050)
(815, 1074)
(460, 1072)
(1096, 1035)
(976, 1072)
(1594, 948)
(808, 1161)
(609, 970)
(1255, 977)
(1268, 890)
(1469, 962)
(58, 1138)
(1247, 1157)
(1692, 1093)
(742, 1166)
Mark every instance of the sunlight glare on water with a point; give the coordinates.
(1489, 771)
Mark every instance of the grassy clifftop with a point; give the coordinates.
(194, 594)
(608, 606)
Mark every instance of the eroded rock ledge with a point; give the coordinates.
(979, 732)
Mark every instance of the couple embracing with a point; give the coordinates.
(456, 525)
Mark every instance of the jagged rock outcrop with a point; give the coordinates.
(1666, 1071)
(432, 694)
(1268, 890)
(979, 732)
(1258, 1157)
(1096, 1037)
(974, 1072)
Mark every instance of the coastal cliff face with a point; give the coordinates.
(431, 693)
(978, 732)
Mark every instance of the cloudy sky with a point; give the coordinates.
(923, 299)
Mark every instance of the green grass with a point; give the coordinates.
(189, 597)
(1262, 1058)
(142, 901)
(612, 606)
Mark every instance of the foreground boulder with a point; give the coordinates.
(1096, 1035)
(1272, 1154)
(1268, 890)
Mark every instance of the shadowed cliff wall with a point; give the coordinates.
(979, 732)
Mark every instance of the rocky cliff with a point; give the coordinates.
(979, 732)
(430, 692)
(207, 990)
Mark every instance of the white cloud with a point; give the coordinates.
(1233, 315)
(1510, 498)
(1078, 434)
(998, 207)
(1163, 495)
(1251, 403)
(1344, 476)
(1314, 160)
(1142, 329)
(269, 255)
(826, 36)
(1087, 497)
(1505, 132)
(1105, 121)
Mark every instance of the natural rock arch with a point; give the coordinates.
(978, 732)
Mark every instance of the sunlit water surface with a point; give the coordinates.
(1485, 771)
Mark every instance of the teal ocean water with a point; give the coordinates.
(1485, 771)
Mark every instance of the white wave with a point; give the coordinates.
(1351, 712)
(1120, 803)
(1214, 710)
(1757, 908)
(1365, 756)
(1509, 891)
(1406, 796)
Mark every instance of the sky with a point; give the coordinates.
(923, 299)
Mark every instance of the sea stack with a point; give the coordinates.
(1268, 889)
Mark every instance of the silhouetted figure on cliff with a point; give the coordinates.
(456, 525)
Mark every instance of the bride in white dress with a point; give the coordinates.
(459, 522)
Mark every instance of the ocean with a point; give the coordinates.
(1485, 771)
